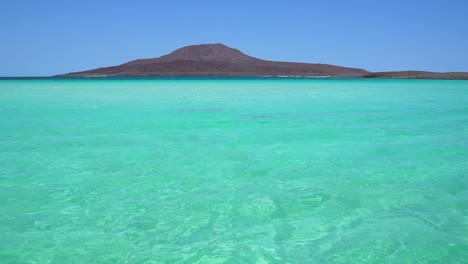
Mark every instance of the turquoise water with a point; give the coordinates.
(233, 171)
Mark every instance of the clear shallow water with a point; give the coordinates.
(233, 171)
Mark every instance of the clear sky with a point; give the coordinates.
(47, 37)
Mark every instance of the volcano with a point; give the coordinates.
(217, 60)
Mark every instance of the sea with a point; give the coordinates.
(233, 170)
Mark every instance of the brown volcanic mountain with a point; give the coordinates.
(217, 60)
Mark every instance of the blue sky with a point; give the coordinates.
(47, 37)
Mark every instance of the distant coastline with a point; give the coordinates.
(218, 60)
(419, 75)
(217, 77)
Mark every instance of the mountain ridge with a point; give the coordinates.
(217, 60)
(201, 52)
(220, 60)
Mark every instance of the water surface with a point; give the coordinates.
(233, 171)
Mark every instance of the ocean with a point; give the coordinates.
(233, 170)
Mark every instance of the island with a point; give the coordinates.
(216, 60)
(221, 60)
